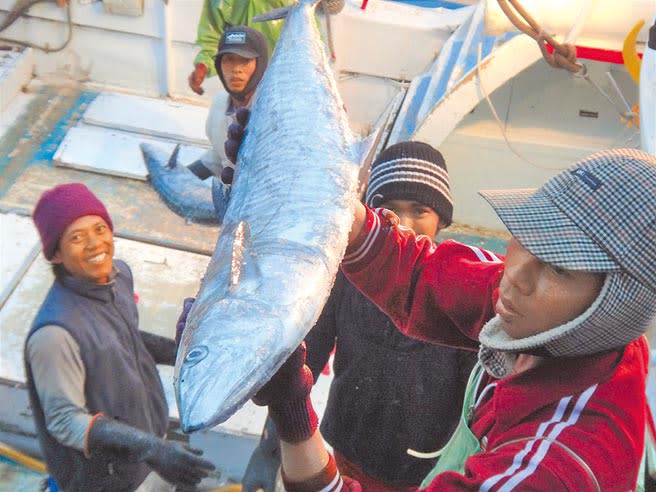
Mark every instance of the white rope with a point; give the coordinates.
(499, 122)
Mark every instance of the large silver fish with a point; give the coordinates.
(284, 232)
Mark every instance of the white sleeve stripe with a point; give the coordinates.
(546, 444)
(519, 457)
(366, 245)
(480, 254)
(495, 258)
(514, 476)
(335, 485)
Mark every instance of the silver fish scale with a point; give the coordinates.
(283, 235)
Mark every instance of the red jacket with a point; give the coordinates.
(593, 407)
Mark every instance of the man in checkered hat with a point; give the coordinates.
(557, 402)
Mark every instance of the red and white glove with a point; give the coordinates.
(287, 395)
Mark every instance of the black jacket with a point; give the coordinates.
(389, 392)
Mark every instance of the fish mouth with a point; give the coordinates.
(192, 415)
(219, 369)
(196, 415)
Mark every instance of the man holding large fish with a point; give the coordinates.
(557, 402)
(545, 409)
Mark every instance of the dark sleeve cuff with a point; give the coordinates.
(327, 480)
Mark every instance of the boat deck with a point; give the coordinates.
(28, 146)
(167, 254)
(15, 478)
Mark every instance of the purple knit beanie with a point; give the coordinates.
(60, 206)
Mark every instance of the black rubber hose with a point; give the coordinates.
(19, 9)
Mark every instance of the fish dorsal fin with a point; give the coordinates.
(241, 258)
(273, 14)
(369, 147)
(173, 160)
(220, 195)
(366, 150)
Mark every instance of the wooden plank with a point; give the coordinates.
(163, 118)
(19, 246)
(16, 69)
(13, 110)
(113, 152)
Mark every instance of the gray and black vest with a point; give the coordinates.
(122, 380)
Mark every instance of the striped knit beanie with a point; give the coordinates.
(411, 171)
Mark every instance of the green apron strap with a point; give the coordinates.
(463, 443)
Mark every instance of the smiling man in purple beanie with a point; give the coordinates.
(97, 399)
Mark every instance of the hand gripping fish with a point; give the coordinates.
(284, 232)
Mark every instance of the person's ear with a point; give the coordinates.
(57, 258)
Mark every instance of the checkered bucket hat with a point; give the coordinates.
(597, 216)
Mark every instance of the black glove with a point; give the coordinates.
(287, 395)
(161, 348)
(174, 462)
(235, 136)
(264, 463)
(182, 319)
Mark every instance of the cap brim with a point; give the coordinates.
(245, 52)
(546, 232)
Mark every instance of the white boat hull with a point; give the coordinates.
(600, 23)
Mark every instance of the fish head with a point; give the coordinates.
(232, 352)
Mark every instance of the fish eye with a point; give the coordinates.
(195, 355)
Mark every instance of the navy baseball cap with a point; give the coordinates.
(243, 41)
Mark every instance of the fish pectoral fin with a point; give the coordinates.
(242, 259)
